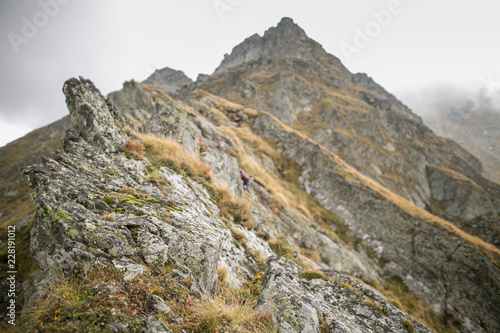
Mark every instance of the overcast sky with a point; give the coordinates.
(414, 47)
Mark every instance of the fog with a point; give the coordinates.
(432, 101)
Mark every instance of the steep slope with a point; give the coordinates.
(476, 130)
(16, 206)
(140, 203)
(15, 156)
(291, 76)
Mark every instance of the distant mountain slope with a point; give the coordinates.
(477, 131)
(16, 206)
(14, 157)
(293, 77)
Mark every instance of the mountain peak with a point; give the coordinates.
(286, 29)
(169, 80)
(285, 41)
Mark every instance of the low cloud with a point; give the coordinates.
(432, 101)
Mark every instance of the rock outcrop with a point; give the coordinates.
(169, 80)
(327, 301)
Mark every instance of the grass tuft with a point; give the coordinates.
(409, 325)
(92, 297)
(167, 152)
(312, 275)
(281, 248)
(135, 148)
(239, 236)
(230, 207)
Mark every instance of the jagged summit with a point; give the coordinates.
(285, 41)
(287, 30)
(169, 80)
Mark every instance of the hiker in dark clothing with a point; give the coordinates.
(246, 181)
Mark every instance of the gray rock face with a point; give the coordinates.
(136, 104)
(169, 80)
(93, 116)
(73, 192)
(343, 305)
(286, 40)
(468, 203)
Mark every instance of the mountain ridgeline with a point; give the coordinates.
(359, 217)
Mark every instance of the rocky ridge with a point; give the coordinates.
(111, 198)
(81, 186)
(155, 224)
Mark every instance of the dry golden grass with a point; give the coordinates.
(75, 296)
(167, 152)
(312, 274)
(455, 175)
(218, 116)
(252, 141)
(238, 236)
(377, 307)
(323, 325)
(221, 275)
(409, 325)
(108, 217)
(311, 254)
(398, 294)
(282, 248)
(251, 112)
(272, 182)
(135, 148)
(228, 311)
(158, 94)
(230, 207)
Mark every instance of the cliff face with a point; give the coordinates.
(141, 213)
